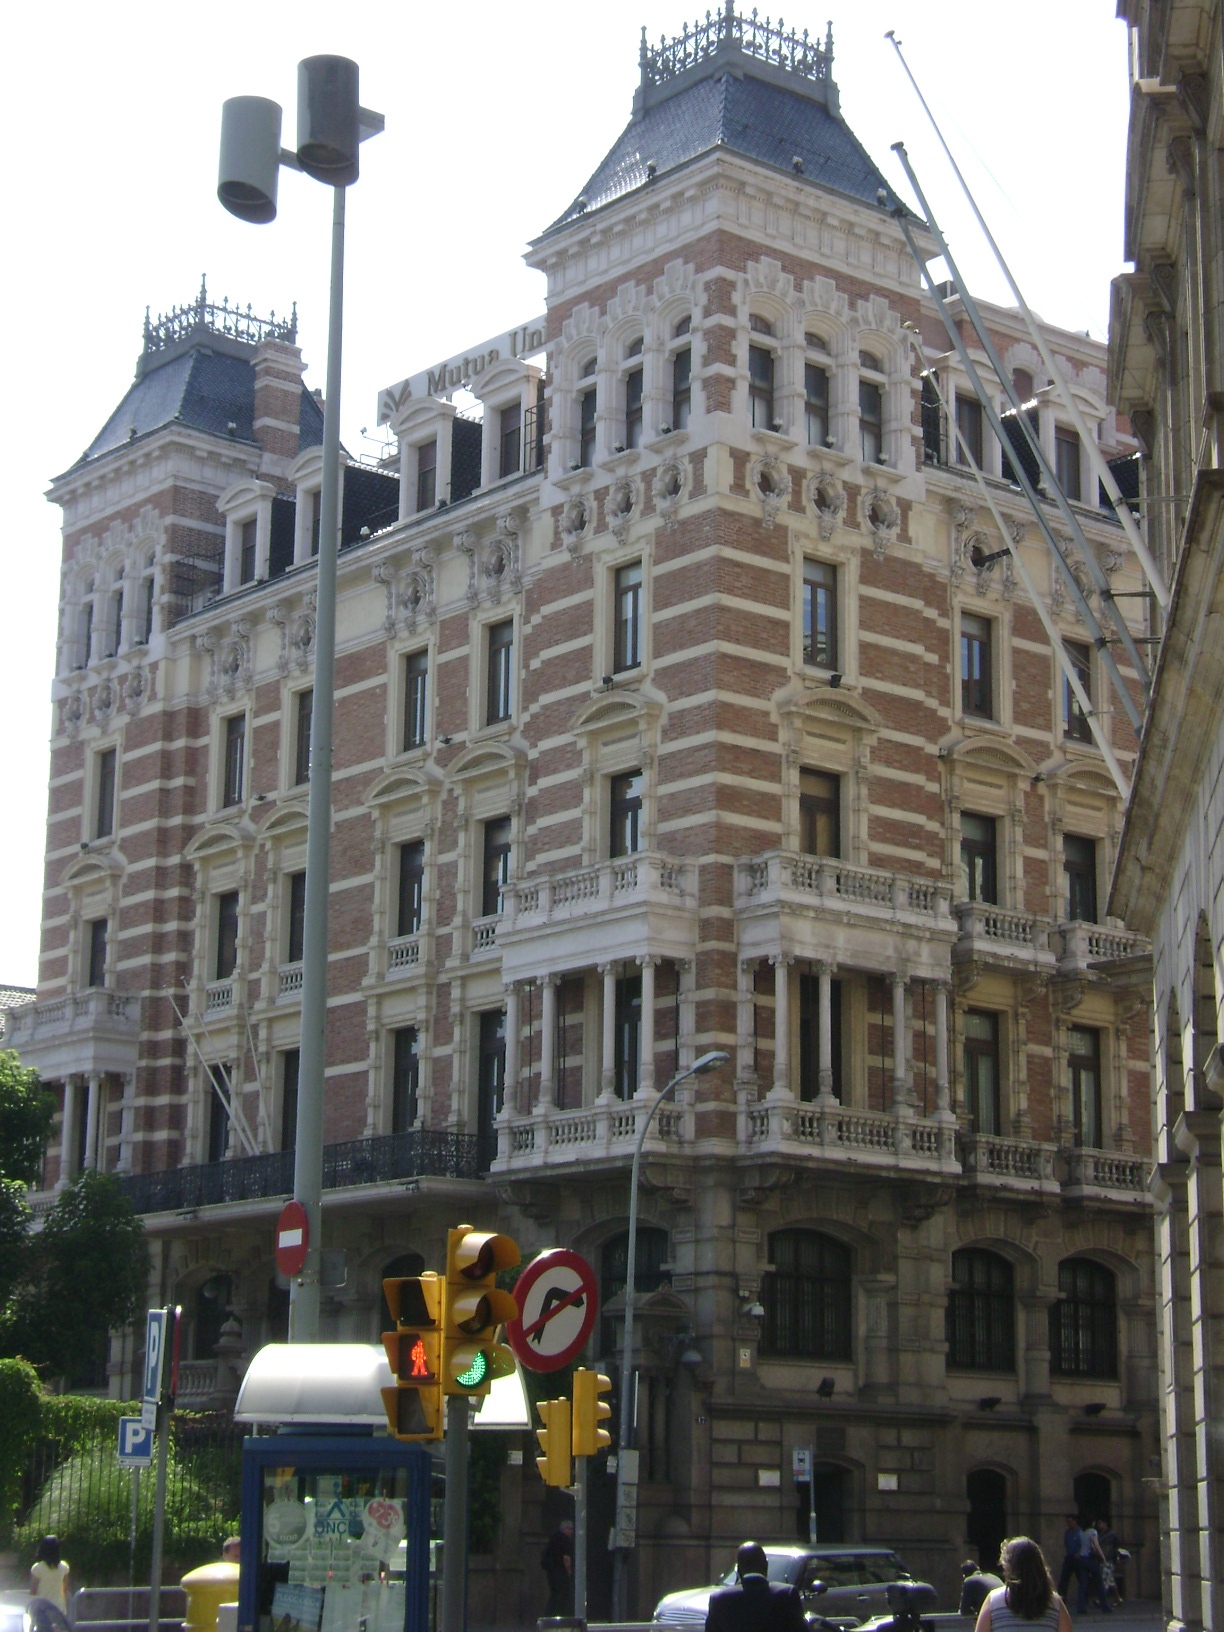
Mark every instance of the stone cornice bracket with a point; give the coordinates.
(207, 644)
(466, 543)
(303, 638)
(827, 494)
(278, 614)
(670, 483)
(621, 507)
(965, 976)
(575, 524)
(384, 573)
(882, 515)
(771, 484)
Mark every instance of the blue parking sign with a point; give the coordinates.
(135, 1443)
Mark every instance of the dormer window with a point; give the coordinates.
(427, 476)
(246, 551)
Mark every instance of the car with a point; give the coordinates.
(842, 1584)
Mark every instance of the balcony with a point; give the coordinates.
(403, 954)
(1009, 1164)
(289, 981)
(1080, 945)
(596, 1134)
(631, 906)
(823, 909)
(219, 997)
(881, 1140)
(89, 1032)
(1106, 1175)
(995, 934)
(422, 1153)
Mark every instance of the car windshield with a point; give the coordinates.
(782, 1567)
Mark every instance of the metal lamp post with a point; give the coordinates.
(331, 126)
(628, 1402)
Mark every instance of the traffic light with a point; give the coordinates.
(475, 1308)
(414, 1348)
(554, 1440)
(590, 1411)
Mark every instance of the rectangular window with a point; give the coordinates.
(625, 800)
(816, 404)
(496, 872)
(233, 770)
(969, 423)
(115, 634)
(405, 1079)
(490, 1082)
(976, 690)
(586, 428)
(500, 690)
(104, 810)
(217, 1120)
(633, 408)
(761, 388)
(510, 432)
(820, 614)
(682, 389)
(411, 887)
(628, 1035)
(149, 604)
(96, 931)
(982, 1071)
(1084, 1061)
(290, 1065)
(931, 414)
(427, 476)
(819, 814)
(809, 1037)
(227, 935)
(871, 422)
(1075, 721)
(627, 638)
(416, 697)
(295, 936)
(314, 503)
(301, 747)
(246, 551)
(1067, 462)
(1079, 868)
(979, 872)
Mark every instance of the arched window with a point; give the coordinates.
(648, 1271)
(981, 1319)
(408, 1263)
(1084, 1322)
(807, 1297)
(212, 1307)
(986, 1494)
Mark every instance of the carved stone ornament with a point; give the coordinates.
(770, 483)
(671, 481)
(828, 496)
(882, 516)
(103, 701)
(621, 506)
(500, 559)
(575, 519)
(417, 601)
(135, 690)
(73, 714)
(229, 660)
(466, 543)
(303, 638)
(384, 574)
(277, 614)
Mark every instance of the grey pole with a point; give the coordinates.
(308, 1141)
(159, 1517)
(580, 1540)
(628, 1392)
(455, 1518)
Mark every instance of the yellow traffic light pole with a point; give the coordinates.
(572, 1434)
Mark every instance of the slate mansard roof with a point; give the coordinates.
(744, 87)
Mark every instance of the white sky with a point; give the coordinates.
(497, 111)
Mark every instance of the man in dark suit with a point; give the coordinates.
(754, 1603)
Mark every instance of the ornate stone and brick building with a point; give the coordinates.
(686, 698)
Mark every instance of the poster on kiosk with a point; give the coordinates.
(335, 1516)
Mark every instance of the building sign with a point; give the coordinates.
(459, 373)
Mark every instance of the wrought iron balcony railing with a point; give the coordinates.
(421, 1153)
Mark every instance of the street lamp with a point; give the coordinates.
(707, 1062)
(331, 126)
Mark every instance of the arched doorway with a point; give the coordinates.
(212, 1307)
(1093, 1497)
(986, 1531)
(830, 1484)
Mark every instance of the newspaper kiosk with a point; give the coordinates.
(335, 1517)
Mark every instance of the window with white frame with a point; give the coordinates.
(499, 674)
(762, 370)
(627, 617)
(871, 408)
(633, 392)
(817, 368)
(681, 378)
(587, 412)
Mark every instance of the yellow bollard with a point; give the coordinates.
(207, 1589)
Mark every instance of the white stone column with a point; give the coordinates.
(510, 1089)
(91, 1121)
(900, 1091)
(646, 1070)
(68, 1132)
(745, 1022)
(127, 1117)
(824, 1074)
(607, 1071)
(548, 1045)
(943, 1095)
(781, 1081)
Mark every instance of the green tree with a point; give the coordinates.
(26, 1110)
(85, 1274)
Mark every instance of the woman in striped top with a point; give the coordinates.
(1028, 1599)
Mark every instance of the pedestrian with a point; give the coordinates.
(1027, 1599)
(755, 1603)
(1110, 1573)
(231, 1550)
(1091, 1560)
(1073, 1538)
(557, 1562)
(976, 1586)
(49, 1589)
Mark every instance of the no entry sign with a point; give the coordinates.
(558, 1302)
(292, 1239)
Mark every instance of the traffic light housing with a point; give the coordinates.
(590, 1411)
(474, 1308)
(555, 1467)
(414, 1352)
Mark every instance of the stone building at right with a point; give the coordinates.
(1167, 373)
